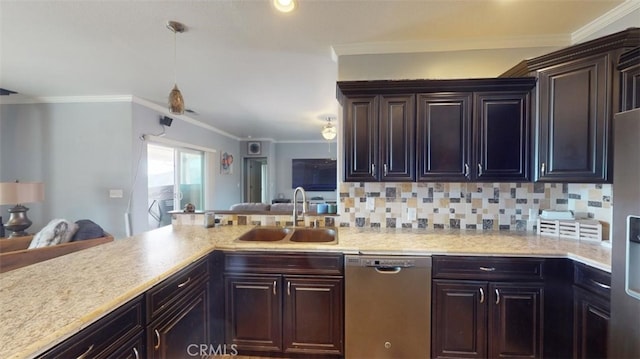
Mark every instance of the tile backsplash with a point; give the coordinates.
(473, 206)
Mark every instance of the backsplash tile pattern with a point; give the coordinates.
(469, 206)
(472, 206)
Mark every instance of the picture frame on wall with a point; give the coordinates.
(254, 147)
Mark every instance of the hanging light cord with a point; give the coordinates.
(175, 57)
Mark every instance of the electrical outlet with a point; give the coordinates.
(411, 214)
(371, 203)
(116, 193)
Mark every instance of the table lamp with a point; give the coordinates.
(19, 193)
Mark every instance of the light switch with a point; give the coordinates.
(115, 193)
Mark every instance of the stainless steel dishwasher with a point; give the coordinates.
(387, 307)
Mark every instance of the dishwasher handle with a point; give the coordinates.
(388, 270)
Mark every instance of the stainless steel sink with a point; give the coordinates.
(290, 235)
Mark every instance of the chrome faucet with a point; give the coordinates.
(295, 203)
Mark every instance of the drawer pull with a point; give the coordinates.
(479, 170)
(288, 288)
(497, 296)
(601, 285)
(135, 353)
(86, 354)
(274, 287)
(466, 170)
(373, 169)
(184, 283)
(542, 169)
(487, 269)
(384, 168)
(481, 295)
(157, 338)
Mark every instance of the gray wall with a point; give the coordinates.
(82, 150)
(79, 151)
(285, 152)
(146, 121)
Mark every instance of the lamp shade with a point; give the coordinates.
(176, 102)
(21, 192)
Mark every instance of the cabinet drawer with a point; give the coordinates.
(488, 268)
(105, 336)
(173, 288)
(285, 263)
(592, 279)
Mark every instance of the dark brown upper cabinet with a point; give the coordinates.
(629, 67)
(379, 138)
(473, 136)
(579, 90)
(436, 130)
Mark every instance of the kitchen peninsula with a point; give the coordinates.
(46, 303)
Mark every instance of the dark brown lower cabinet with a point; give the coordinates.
(284, 304)
(183, 329)
(118, 335)
(479, 319)
(591, 310)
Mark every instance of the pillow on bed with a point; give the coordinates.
(56, 232)
(87, 229)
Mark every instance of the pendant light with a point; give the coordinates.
(176, 102)
(329, 131)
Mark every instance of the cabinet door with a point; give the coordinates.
(253, 312)
(574, 121)
(459, 328)
(179, 332)
(313, 315)
(501, 136)
(361, 139)
(397, 138)
(515, 320)
(443, 137)
(590, 325)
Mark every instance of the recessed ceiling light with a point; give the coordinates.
(284, 5)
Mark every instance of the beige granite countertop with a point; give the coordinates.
(45, 303)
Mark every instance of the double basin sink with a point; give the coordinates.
(290, 235)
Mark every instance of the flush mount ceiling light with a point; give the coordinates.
(329, 131)
(176, 102)
(284, 5)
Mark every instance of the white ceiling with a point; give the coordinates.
(242, 67)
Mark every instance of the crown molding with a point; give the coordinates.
(163, 110)
(21, 99)
(605, 20)
(557, 40)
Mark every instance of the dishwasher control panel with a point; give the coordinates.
(388, 261)
(404, 263)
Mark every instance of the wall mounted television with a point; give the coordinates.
(314, 174)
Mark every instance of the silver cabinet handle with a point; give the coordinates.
(497, 296)
(384, 168)
(157, 338)
(481, 295)
(275, 283)
(542, 169)
(184, 283)
(479, 169)
(135, 353)
(601, 285)
(466, 170)
(288, 288)
(487, 269)
(373, 168)
(86, 354)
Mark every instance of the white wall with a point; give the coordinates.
(630, 20)
(433, 65)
